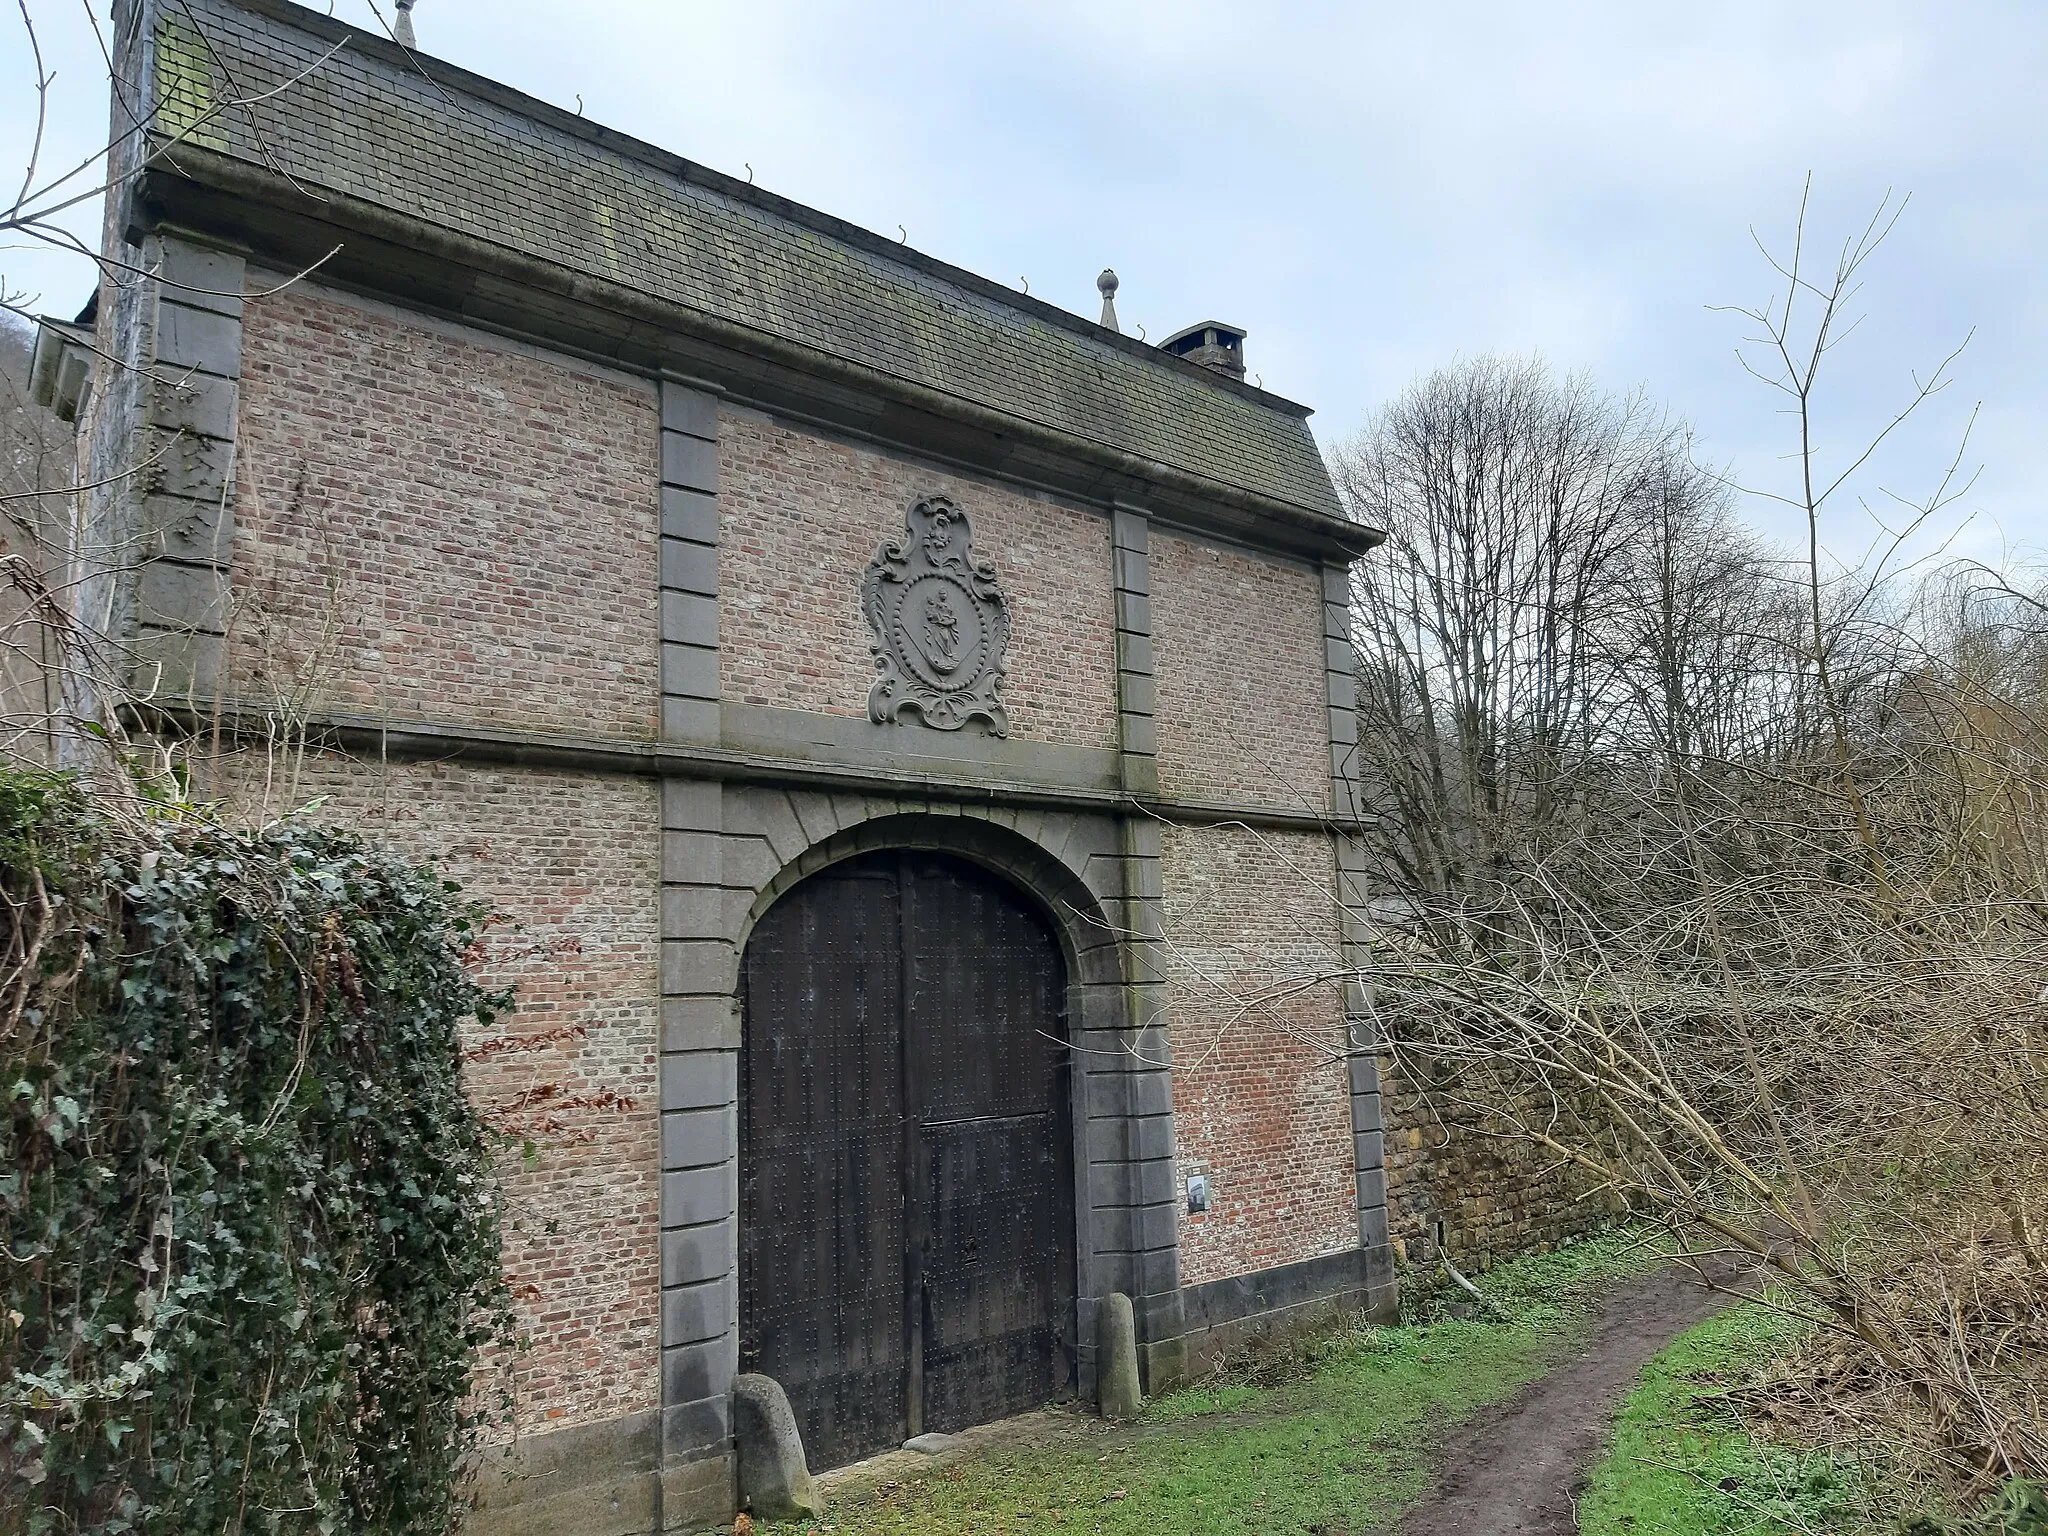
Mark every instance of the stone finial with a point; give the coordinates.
(401, 29)
(1106, 286)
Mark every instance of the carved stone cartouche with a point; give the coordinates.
(940, 624)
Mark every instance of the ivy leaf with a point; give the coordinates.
(288, 1133)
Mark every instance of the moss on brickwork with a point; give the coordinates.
(184, 78)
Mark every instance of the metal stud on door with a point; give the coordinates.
(821, 1212)
(982, 998)
(928, 992)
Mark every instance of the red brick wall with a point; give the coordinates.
(801, 517)
(573, 859)
(1238, 648)
(1260, 1095)
(479, 525)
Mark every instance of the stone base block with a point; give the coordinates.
(698, 1496)
(1224, 1316)
(593, 1479)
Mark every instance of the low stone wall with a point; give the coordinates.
(1456, 1189)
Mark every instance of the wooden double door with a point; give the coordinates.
(906, 1158)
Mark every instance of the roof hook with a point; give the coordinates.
(750, 171)
(902, 235)
(1026, 282)
(1141, 331)
(579, 104)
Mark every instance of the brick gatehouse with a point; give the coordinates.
(907, 722)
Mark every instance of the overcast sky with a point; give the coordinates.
(1373, 190)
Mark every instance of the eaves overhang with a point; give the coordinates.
(452, 192)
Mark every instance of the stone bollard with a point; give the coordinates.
(1116, 1358)
(775, 1482)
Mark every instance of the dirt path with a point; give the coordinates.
(1515, 1469)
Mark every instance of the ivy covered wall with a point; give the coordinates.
(251, 1227)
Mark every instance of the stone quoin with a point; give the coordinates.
(910, 727)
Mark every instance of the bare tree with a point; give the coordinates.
(1789, 989)
(71, 539)
(1490, 660)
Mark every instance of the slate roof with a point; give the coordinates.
(469, 155)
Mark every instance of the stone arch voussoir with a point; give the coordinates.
(1068, 864)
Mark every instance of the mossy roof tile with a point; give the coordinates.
(469, 156)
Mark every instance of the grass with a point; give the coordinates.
(1679, 1466)
(1329, 1437)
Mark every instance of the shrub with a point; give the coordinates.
(251, 1223)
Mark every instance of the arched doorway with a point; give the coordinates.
(906, 1185)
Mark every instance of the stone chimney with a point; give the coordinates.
(1212, 344)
